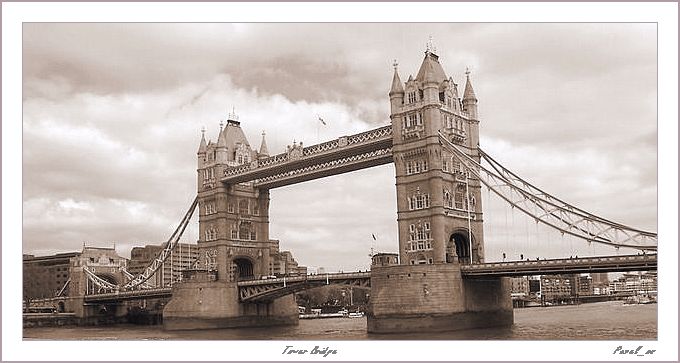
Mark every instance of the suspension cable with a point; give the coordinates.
(165, 253)
(586, 226)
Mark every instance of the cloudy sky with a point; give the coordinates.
(112, 115)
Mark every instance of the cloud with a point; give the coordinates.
(113, 112)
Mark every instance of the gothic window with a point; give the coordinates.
(253, 235)
(448, 200)
(244, 230)
(211, 233)
(445, 163)
(419, 201)
(243, 206)
(421, 94)
(419, 237)
(416, 166)
(230, 207)
(256, 209)
(411, 97)
(413, 120)
(459, 197)
(234, 232)
(409, 168)
(210, 208)
(456, 165)
(240, 159)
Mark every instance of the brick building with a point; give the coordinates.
(45, 276)
(558, 287)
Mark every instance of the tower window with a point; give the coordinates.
(416, 166)
(448, 201)
(411, 97)
(419, 237)
(243, 206)
(419, 201)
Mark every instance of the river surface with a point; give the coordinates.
(596, 321)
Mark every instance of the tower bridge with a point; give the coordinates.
(441, 280)
(270, 289)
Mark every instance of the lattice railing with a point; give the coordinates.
(326, 165)
(357, 139)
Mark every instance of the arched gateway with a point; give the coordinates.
(438, 209)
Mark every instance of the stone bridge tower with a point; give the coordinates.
(439, 214)
(438, 205)
(233, 243)
(233, 219)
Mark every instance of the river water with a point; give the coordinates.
(596, 321)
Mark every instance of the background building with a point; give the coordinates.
(636, 283)
(62, 273)
(282, 262)
(44, 276)
(182, 258)
(585, 285)
(556, 288)
(520, 287)
(600, 283)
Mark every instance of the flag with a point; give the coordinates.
(375, 239)
(322, 121)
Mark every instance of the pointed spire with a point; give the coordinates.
(469, 93)
(222, 138)
(263, 145)
(431, 70)
(203, 147)
(397, 86)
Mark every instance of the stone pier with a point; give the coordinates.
(432, 298)
(215, 304)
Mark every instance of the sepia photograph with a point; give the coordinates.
(322, 182)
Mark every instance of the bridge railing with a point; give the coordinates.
(564, 262)
(380, 133)
(292, 279)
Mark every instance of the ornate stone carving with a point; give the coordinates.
(295, 151)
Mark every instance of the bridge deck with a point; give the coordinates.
(268, 289)
(563, 266)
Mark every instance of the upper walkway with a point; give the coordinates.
(298, 164)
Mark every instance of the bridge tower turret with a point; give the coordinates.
(396, 91)
(438, 203)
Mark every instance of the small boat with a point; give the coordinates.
(358, 314)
